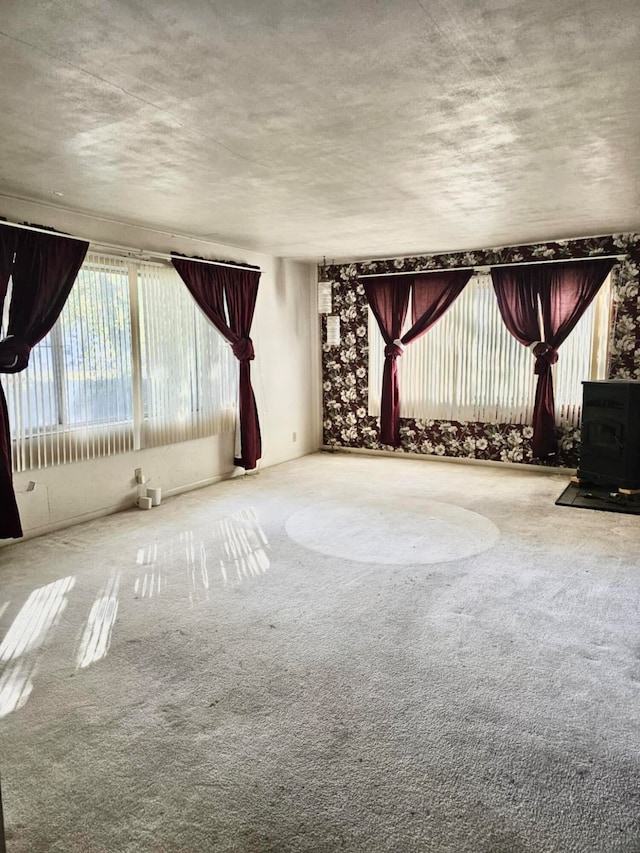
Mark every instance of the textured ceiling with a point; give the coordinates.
(305, 128)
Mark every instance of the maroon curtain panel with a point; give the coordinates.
(43, 268)
(432, 294)
(560, 293)
(210, 286)
(564, 297)
(389, 300)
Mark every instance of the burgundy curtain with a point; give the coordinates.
(561, 293)
(210, 285)
(43, 272)
(432, 295)
(389, 300)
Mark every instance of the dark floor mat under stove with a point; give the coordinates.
(605, 498)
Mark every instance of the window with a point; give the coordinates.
(130, 363)
(187, 391)
(468, 367)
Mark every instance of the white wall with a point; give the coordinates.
(285, 374)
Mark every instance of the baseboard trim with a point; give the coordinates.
(456, 460)
(129, 503)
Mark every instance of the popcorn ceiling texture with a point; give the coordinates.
(346, 422)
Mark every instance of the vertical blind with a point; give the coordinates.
(130, 363)
(74, 401)
(469, 368)
(189, 373)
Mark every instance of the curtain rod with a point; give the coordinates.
(128, 250)
(487, 267)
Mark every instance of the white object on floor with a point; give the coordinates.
(156, 495)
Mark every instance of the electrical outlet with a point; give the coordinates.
(140, 478)
(31, 486)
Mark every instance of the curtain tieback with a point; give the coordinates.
(14, 354)
(545, 355)
(394, 350)
(243, 349)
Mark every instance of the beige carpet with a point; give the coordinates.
(342, 653)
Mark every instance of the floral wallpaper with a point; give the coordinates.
(347, 422)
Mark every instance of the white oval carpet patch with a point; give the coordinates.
(370, 531)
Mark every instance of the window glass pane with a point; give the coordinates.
(95, 347)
